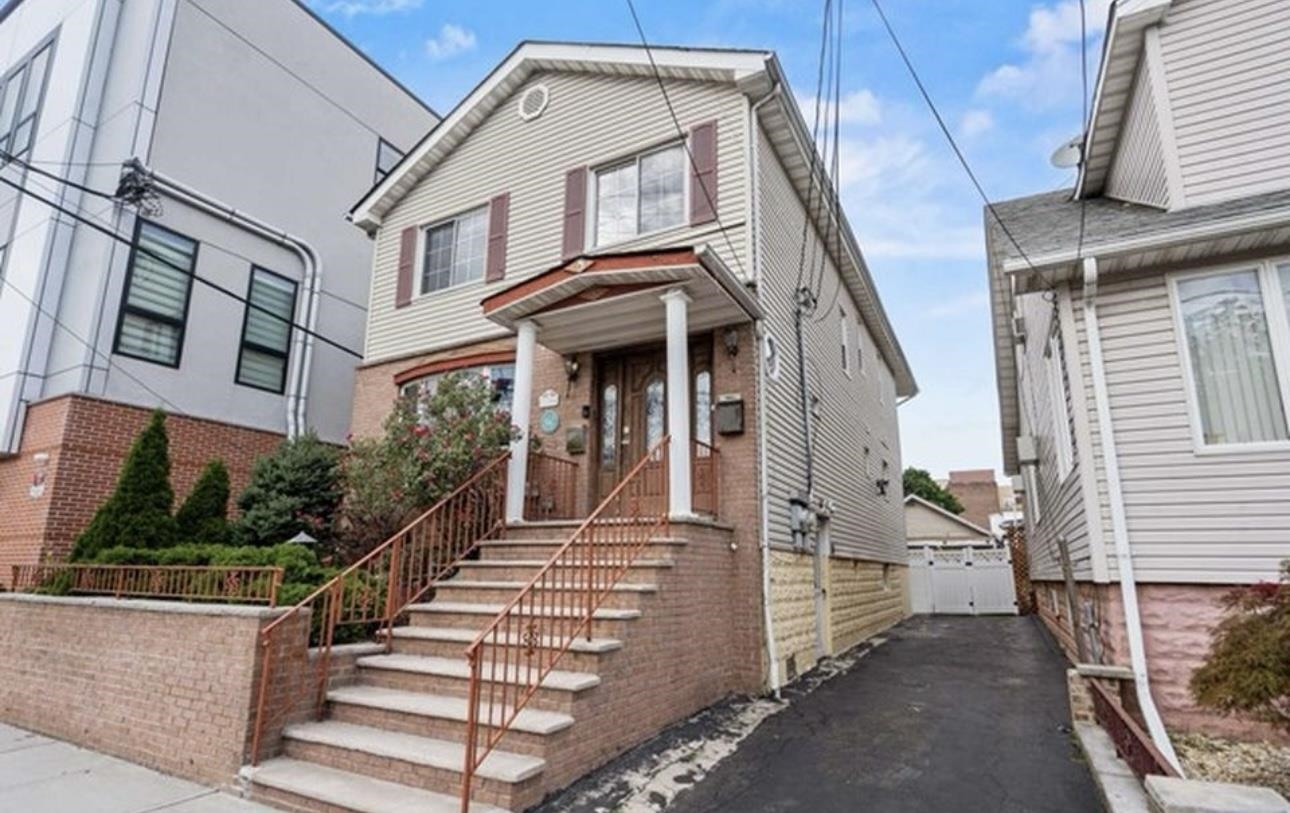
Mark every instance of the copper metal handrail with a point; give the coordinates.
(551, 487)
(232, 583)
(377, 589)
(705, 477)
(525, 641)
(1132, 743)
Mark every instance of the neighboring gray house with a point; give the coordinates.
(1142, 335)
(260, 126)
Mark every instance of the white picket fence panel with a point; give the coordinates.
(962, 581)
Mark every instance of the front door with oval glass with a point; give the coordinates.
(631, 409)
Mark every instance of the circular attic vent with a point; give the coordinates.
(533, 102)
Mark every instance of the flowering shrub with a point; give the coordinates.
(432, 443)
(1248, 669)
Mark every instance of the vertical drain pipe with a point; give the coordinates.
(759, 336)
(1119, 525)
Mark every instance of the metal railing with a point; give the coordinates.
(374, 591)
(511, 657)
(551, 490)
(1132, 743)
(705, 477)
(219, 583)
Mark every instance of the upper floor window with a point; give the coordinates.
(642, 195)
(387, 158)
(22, 92)
(1236, 337)
(266, 331)
(454, 251)
(154, 308)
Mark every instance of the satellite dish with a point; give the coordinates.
(1069, 154)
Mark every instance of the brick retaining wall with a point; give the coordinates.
(168, 685)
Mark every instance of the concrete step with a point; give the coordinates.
(606, 622)
(642, 570)
(451, 676)
(528, 548)
(443, 755)
(306, 786)
(443, 717)
(620, 596)
(451, 642)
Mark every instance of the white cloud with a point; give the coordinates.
(1049, 75)
(976, 122)
(857, 107)
(353, 8)
(452, 40)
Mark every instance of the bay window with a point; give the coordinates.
(1233, 327)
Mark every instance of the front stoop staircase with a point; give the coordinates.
(394, 739)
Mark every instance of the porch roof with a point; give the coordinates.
(602, 301)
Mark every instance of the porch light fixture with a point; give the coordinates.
(730, 337)
(882, 483)
(571, 368)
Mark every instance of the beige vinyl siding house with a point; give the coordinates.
(627, 282)
(1178, 391)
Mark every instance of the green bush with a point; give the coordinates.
(294, 489)
(920, 482)
(203, 518)
(138, 512)
(1248, 669)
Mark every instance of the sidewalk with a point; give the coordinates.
(42, 775)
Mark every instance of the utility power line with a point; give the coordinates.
(685, 142)
(922, 89)
(111, 233)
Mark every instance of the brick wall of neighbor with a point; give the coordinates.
(1177, 622)
(86, 440)
(166, 685)
(977, 490)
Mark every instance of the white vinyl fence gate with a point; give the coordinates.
(962, 581)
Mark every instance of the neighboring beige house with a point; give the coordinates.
(929, 525)
(628, 283)
(1142, 334)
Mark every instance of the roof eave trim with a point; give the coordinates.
(955, 517)
(1272, 218)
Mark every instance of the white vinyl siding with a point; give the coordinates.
(1215, 517)
(1225, 65)
(1138, 172)
(1055, 493)
(856, 437)
(591, 120)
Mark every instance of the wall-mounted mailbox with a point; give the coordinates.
(730, 414)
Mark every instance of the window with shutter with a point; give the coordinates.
(641, 195)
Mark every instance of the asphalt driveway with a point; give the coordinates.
(952, 714)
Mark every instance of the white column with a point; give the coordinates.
(678, 401)
(521, 410)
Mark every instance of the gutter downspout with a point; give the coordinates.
(298, 374)
(1119, 525)
(759, 334)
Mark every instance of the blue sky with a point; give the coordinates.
(1004, 73)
